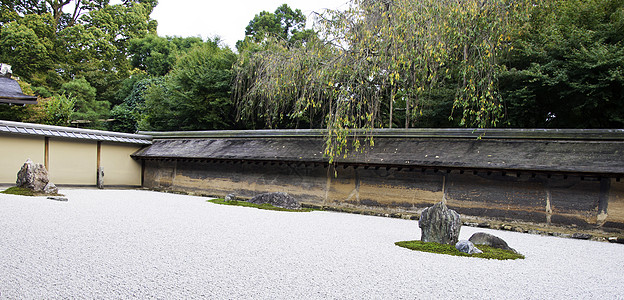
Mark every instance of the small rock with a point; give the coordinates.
(581, 236)
(484, 225)
(471, 224)
(50, 188)
(58, 199)
(613, 239)
(482, 238)
(506, 227)
(467, 247)
(230, 197)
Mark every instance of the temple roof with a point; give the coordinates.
(11, 92)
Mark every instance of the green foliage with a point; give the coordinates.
(195, 95)
(127, 115)
(377, 55)
(402, 63)
(49, 46)
(265, 206)
(86, 106)
(157, 55)
(97, 48)
(13, 112)
(27, 44)
(285, 23)
(567, 67)
(42, 91)
(153, 54)
(488, 252)
(59, 110)
(56, 110)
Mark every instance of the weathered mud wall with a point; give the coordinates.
(540, 198)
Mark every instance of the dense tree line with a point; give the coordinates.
(378, 63)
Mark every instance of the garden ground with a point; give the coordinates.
(143, 244)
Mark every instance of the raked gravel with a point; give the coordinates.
(105, 244)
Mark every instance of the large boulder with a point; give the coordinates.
(467, 247)
(32, 176)
(482, 238)
(278, 199)
(439, 224)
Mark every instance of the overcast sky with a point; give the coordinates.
(224, 18)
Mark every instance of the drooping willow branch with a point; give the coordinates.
(374, 53)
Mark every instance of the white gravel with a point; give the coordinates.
(141, 244)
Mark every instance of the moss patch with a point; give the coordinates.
(488, 252)
(259, 206)
(25, 192)
(19, 191)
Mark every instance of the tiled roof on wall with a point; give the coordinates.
(510, 150)
(72, 133)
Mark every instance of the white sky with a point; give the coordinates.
(224, 18)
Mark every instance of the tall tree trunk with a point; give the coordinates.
(57, 8)
(466, 60)
(407, 112)
(391, 105)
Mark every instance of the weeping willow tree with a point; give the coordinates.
(376, 54)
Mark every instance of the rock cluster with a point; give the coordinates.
(35, 177)
(439, 224)
(278, 199)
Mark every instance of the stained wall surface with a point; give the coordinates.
(615, 209)
(582, 201)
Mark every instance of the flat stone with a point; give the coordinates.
(439, 224)
(581, 236)
(58, 198)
